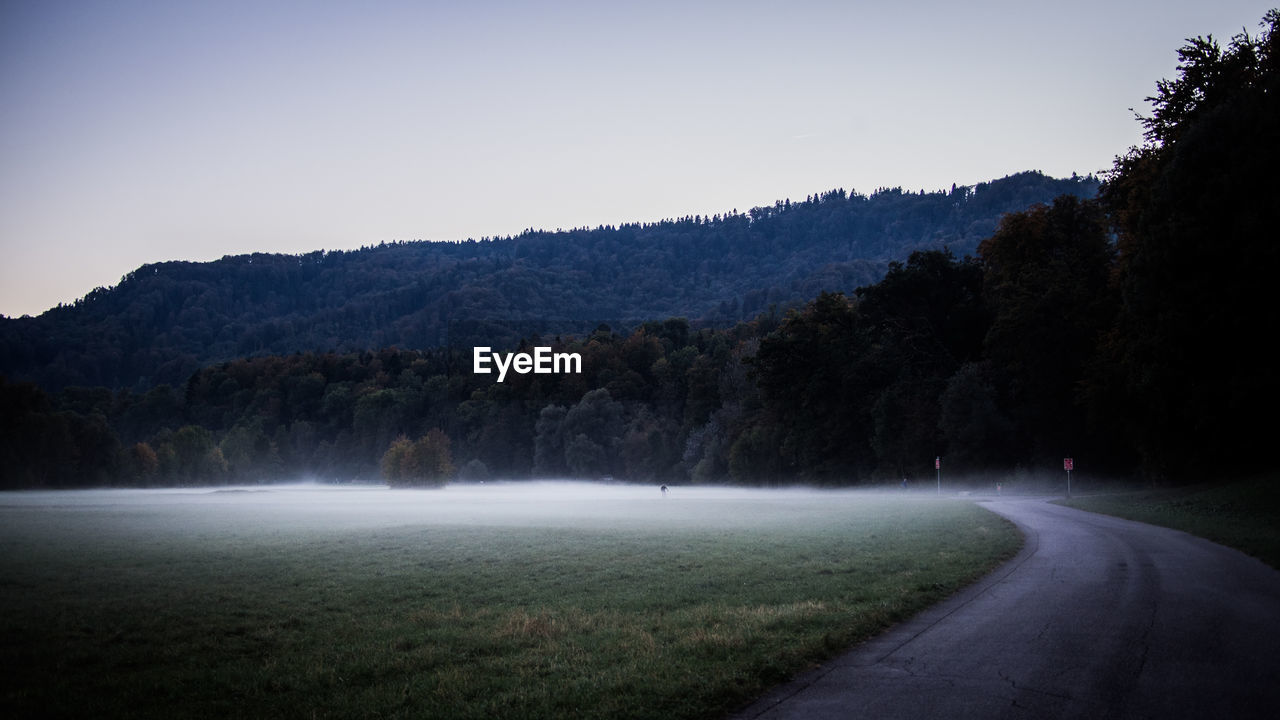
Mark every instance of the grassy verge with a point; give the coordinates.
(667, 610)
(1242, 515)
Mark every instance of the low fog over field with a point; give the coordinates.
(275, 508)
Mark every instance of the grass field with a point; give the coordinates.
(518, 601)
(1243, 515)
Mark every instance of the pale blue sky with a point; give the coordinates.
(135, 132)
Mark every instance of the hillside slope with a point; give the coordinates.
(165, 320)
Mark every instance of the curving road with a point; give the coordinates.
(1097, 617)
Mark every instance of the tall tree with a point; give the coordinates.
(1046, 281)
(1197, 219)
(811, 395)
(922, 322)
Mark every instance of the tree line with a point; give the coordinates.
(166, 320)
(1125, 329)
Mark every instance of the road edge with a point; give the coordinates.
(874, 649)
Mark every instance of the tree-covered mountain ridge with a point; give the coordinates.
(165, 320)
(1119, 331)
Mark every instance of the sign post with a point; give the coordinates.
(1068, 464)
(937, 465)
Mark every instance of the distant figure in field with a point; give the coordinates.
(664, 490)
(904, 483)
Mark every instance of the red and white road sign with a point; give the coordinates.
(937, 463)
(1068, 463)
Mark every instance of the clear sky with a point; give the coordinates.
(138, 131)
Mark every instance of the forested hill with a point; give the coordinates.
(165, 320)
(1119, 331)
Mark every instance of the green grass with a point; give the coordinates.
(679, 607)
(1243, 515)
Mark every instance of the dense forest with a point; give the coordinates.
(1119, 329)
(165, 321)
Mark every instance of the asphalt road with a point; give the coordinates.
(1097, 617)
